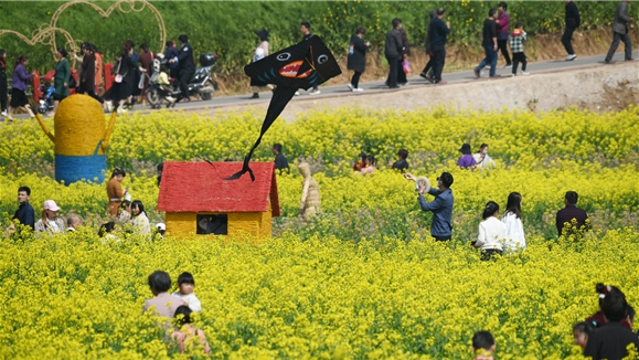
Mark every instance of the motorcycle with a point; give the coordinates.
(201, 84)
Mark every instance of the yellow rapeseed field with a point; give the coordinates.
(363, 280)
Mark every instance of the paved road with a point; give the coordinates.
(378, 86)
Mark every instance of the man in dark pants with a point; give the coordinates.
(572, 23)
(490, 44)
(187, 66)
(620, 30)
(441, 206)
(429, 66)
(393, 50)
(439, 30)
(503, 30)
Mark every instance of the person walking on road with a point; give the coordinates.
(490, 44)
(439, 30)
(61, 79)
(187, 66)
(146, 69)
(261, 51)
(3, 83)
(401, 73)
(305, 29)
(357, 58)
(517, 40)
(572, 23)
(87, 75)
(429, 65)
(19, 87)
(393, 50)
(620, 30)
(503, 22)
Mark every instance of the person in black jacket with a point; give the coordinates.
(357, 57)
(429, 65)
(87, 73)
(393, 50)
(439, 31)
(187, 66)
(120, 90)
(489, 43)
(572, 23)
(3, 83)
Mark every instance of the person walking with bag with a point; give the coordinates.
(620, 30)
(404, 65)
(393, 50)
(357, 58)
(120, 90)
(573, 21)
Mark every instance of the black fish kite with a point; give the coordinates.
(300, 66)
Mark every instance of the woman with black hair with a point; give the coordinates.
(61, 79)
(140, 220)
(261, 51)
(19, 87)
(492, 232)
(187, 331)
(87, 75)
(357, 58)
(515, 238)
(121, 90)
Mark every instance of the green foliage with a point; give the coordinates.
(227, 28)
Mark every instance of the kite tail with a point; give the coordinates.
(281, 97)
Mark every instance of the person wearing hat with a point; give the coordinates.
(161, 227)
(466, 161)
(50, 222)
(441, 206)
(261, 51)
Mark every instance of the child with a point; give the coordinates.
(483, 345)
(361, 163)
(165, 87)
(187, 331)
(517, 39)
(369, 168)
(581, 331)
(186, 283)
(492, 232)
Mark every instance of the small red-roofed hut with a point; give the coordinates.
(197, 200)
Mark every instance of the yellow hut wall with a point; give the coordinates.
(255, 223)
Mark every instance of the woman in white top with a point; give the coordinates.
(140, 220)
(515, 239)
(492, 232)
(482, 159)
(261, 51)
(50, 222)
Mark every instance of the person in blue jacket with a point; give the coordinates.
(441, 206)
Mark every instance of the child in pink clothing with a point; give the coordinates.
(184, 337)
(369, 168)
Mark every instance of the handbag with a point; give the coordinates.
(406, 66)
(118, 78)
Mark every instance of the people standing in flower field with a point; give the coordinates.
(50, 222)
(429, 65)
(114, 191)
(573, 21)
(186, 284)
(140, 221)
(466, 161)
(25, 214)
(19, 87)
(440, 31)
(517, 39)
(565, 217)
(612, 340)
(489, 43)
(401, 164)
(261, 51)
(357, 58)
(403, 66)
(580, 333)
(163, 304)
(620, 28)
(305, 29)
(482, 158)
(369, 166)
(515, 238)
(492, 232)
(361, 163)
(441, 206)
(503, 23)
(3, 83)
(73, 222)
(281, 162)
(393, 50)
(598, 319)
(483, 345)
(187, 332)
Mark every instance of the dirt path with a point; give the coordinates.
(598, 88)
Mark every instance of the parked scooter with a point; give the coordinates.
(201, 84)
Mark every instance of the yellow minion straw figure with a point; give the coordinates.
(81, 139)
